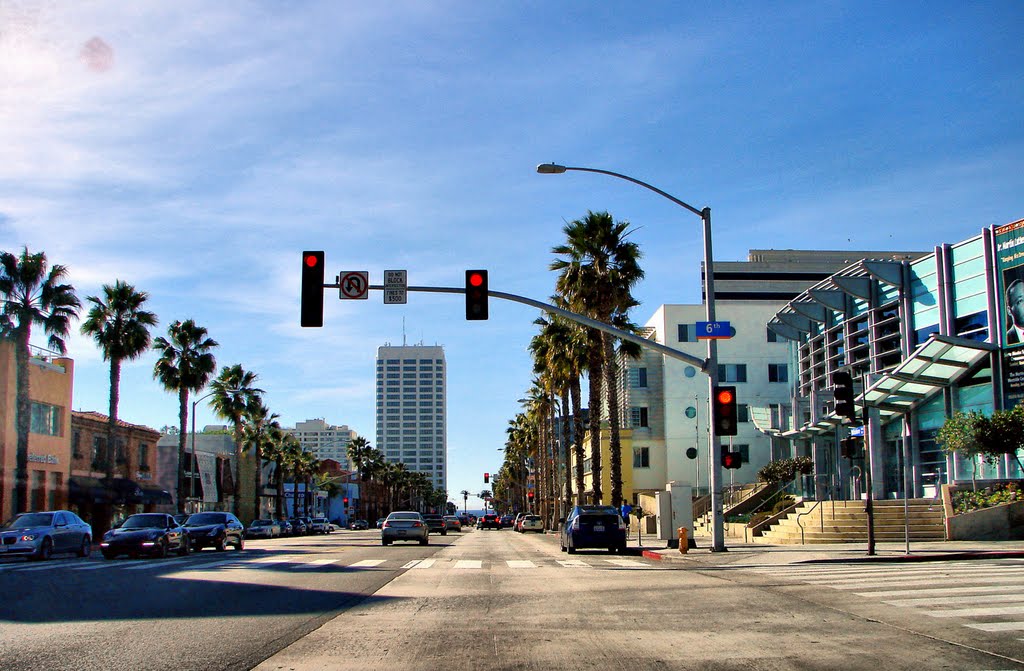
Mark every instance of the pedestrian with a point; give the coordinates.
(626, 510)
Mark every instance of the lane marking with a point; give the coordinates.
(317, 563)
(424, 563)
(573, 563)
(998, 626)
(468, 563)
(627, 563)
(945, 601)
(367, 563)
(520, 563)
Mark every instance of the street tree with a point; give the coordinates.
(233, 394)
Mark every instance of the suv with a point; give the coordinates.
(490, 521)
(436, 523)
(320, 525)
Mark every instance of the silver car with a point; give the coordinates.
(40, 535)
(263, 529)
(404, 526)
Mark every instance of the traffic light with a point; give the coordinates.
(724, 403)
(731, 459)
(487, 477)
(312, 289)
(842, 382)
(345, 501)
(476, 294)
(849, 448)
(529, 495)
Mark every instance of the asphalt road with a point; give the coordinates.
(493, 600)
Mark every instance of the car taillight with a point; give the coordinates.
(575, 524)
(385, 525)
(417, 524)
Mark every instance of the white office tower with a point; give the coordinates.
(411, 409)
(324, 440)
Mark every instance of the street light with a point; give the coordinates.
(192, 466)
(711, 366)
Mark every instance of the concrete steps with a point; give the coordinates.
(846, 522)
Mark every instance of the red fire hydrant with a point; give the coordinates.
(683, 541)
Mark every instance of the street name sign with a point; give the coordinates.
(395, 287)
(353, 284)
(713, 330)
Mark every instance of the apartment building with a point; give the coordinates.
(324, 440)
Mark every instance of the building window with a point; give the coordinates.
(99, 452)
(772, 335)
(76, 445)
(687, 332)
(638, 378)
(744, 451)
(45, 419)
(732, 372)
(638, 417)
(778, 372)
(742, 412)
(641, 457)
(143, 456)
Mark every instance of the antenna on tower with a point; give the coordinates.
(403, 331)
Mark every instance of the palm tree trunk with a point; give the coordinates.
(237, 503)
(566, 446)
(115, 386)
(182, 422)
(575, 394)
(295, 493)
(614, 414)
(594, 366)
(279, 507)
(257, 479)
(23, 421)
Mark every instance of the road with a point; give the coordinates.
(500, 600)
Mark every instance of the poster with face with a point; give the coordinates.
(1010, 269)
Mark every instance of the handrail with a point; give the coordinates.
(701, 506)
(806, 512)
(774, 518)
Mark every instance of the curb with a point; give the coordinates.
(948, 556)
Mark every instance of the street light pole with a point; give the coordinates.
(711, 368)
(192, 467)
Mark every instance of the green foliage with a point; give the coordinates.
(973, 434)
(965, 501)
(784, 470)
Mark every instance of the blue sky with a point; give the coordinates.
(197, 148)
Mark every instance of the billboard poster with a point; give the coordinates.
(1009, 241)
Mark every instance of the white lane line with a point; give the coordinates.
(275, 560)
(94, 565)
(424, 563)
(573, 563)
(943, 576)
(468, 563)
(318, 562)
(998, 626)
(937, 591)
(413, 564)
(367, 563)
(908, 583)
(202, 567)
(945, 601)
(520, 563)
(627, 563)
(148, 565)
(978, 612)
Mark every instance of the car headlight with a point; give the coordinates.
(27, 537)
(213, 533)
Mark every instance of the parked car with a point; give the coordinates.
(531, 523)
(453, 523)
(404, 526)
(506, 521)
(298, 526)
(359, 525)
(215, 530)
(263, 529)
(517, 522)
(380, 522)
(593, 527)
(39, 535)
(153, 534)
(436, 523)
(490, 521)
(287, 528)
(320, 525)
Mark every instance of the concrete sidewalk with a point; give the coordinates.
(762, 553)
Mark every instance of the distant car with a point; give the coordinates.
(263, 529)
(506, 521)
(298, 526)
(153, 534)
(518, 521)
(287, 528)
(215, 530)
(320, 525)
(490, 521)
(359, 525)
(436, 523)
(453, 523)
(531, 523)
(593, 527)
(380, 522)
(42, 534)
(404, 526)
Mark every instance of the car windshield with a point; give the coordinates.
(201, 519)
(598, 510)
(404, 516)
(29, 520)
(145, 522)
(261, 523)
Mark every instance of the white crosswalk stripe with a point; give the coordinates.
(520, 563)
(468, 564)
(972, 590)
(368, 563)
(574, 563)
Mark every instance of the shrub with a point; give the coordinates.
(965, 501)
(784, 470)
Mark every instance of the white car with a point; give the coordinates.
(532, 523)
(320, 525)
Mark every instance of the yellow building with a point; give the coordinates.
(625, 449)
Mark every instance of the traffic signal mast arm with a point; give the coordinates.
(572, 316)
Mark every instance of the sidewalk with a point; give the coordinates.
(738, 552)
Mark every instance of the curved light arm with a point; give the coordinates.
(555, 169)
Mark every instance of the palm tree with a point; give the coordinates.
(282, 447)
(612, 359)
(596, 278)
(32, 296)
(358, 453)
(256, 433)
(233, 394)
(120, 327)
(185, 365)
(465, 501)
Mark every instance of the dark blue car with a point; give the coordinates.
(593, 527)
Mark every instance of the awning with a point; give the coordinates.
(125, 491)
(84, 489)
(153, 494)
(938, 363)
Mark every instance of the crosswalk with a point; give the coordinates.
(244, 561)
(987, 594)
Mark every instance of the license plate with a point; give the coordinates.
(598, 527)
(401, 533)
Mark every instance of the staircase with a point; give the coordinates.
(743, 499)
(846, 522)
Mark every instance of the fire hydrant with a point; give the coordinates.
(683, 542)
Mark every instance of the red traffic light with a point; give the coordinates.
(529, 495)
(724, 412)
(731, 460)
(312, 293)
(476, 294)
(487, 477)
(725, 396)
(345, 500)
(475, 279)
(312, 259)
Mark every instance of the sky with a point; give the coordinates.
(195, 149)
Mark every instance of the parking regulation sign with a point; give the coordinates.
(395, 284)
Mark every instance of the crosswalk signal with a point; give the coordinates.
(849, 448)
(842, 383)
(476, 294)
(312, 296)
(724, 403)
(731, 459)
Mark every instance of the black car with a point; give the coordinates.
(153, 534)
(436, 523)
(215, 530)
(490, 521)
(299, 527)
(593, 527)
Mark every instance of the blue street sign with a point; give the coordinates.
(857, 431)
(713, 330)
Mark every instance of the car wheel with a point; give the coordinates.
(240, 545)
(425, 541)
(384, 542)
(184, 546)
(161, 549)
(220, 545)
(444, 533)
(86, 547)
(45, 550)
